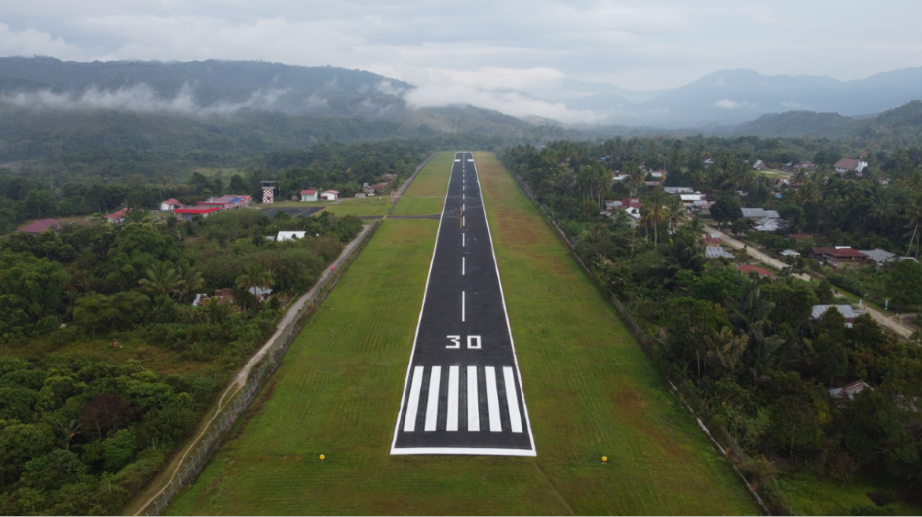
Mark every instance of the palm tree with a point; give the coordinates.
(913, 215)
(749, 314)
(161, 279)
(675, 213)
(256, 276)
(654, 214)
(191, 281)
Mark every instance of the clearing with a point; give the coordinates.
(590, 392)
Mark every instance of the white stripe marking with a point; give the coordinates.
(462, 220)
(413, 403)
(451, 423)
(432, 407)
(462, 305)
(462, 266)
(462, 241)
(512, 400)
(496, 426)
(473, 401)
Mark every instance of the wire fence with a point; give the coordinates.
(193, 464)
(719, 438)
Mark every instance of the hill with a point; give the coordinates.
(903, 124)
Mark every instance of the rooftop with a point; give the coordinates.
(41, 226)
(846, 310)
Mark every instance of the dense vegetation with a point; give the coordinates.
(80, 431)
(745, 346)
(132, 179)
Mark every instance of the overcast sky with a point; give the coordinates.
(466, 50)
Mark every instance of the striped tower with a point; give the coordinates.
(268, 192)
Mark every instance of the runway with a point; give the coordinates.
(463, 391)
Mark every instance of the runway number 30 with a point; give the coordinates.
(473, 342)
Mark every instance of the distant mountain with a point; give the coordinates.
(197, 87)
(792, 124)
(904, 123)
(736, 96)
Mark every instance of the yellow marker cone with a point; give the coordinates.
(322, 457)
(604, 459)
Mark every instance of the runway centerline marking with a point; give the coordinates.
(444, 410)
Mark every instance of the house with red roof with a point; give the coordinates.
(329, 195)
(848, 164)
(170, 204)
(839, 256)
(117, 217)
(192, 211)
(751, 268)
(41, 226)
(308, 195)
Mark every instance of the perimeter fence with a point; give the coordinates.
(196, 460)
(698, 409)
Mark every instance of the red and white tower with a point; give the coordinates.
(268, 192)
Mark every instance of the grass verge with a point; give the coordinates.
(588, 388)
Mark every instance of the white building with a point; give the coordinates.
(329, 195)
(287, 236)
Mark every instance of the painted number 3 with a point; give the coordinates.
(473, 342)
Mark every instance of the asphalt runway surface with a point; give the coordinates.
(294, 212)
(463, 392)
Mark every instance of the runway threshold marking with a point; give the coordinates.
(442, 414)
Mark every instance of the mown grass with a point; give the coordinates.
(378, 207)
(588, 388)
(427, 192)
(815, 496)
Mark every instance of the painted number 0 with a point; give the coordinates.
(473, 342)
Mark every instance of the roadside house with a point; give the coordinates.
(846, 311)
(329, 195)
(751, 268)
(190, 212)
(717, 252)
(117, 217)
(879, 256)
(839, 256)
(170, 204)
(287, 236)
(847, 164)
(308, 195)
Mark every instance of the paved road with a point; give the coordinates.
(463, 393)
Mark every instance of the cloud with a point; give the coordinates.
(142, 98)
(728, 104)
(493, 88)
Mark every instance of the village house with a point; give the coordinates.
(789, 253)
(368, 190)
(689, 199)
(678, 190)
(846, 311)
(847, 164)
(879, 256)
(41, 226)
(170, 204)
(839, 256)
(308, 195)
(759, 165)
(849, 390)
(288, 236)
(329, 195)
(712, 240)
(717, 252)
(380, 186)
(751, 268)
(192, 211)
(117, 217)
(760, 213)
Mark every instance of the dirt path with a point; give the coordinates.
(754, 253)
(890, 322)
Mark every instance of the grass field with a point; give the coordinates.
(813, 496)
(427, 192)
(589, 391)
(377, 206)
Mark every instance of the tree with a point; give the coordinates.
(20, 443)
(162, 279)
(725, 350)
(905, 283)
(749, 314)
(653, 214)
(726, 208)
(691, 324)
